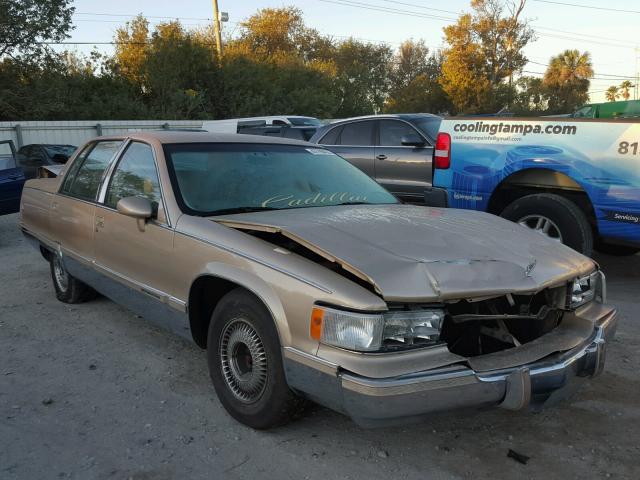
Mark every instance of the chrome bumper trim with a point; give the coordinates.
(374, 402)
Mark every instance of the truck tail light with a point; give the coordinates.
(442, 154)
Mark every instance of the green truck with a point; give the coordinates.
(624, 109)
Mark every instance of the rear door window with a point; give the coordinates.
(85, 176)
(358, 134)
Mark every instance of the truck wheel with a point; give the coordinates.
(68, 288)
(554, 216)
(245, 363)
(616, 250)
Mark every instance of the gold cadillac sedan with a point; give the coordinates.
(304, 279)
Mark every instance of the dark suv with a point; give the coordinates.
(395, 150)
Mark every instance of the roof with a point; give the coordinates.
(206, 137)
(405, 116)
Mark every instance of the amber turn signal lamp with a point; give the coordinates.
(315, 329)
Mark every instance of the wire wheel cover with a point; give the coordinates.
(243, 360)
(62, 278)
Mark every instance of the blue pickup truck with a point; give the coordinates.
(574, 180)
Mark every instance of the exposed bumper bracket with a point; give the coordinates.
(518, 390)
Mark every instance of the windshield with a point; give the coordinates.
(218, 178)
(66, 150)
(429, 125)
(305, 121)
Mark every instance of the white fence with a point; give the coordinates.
(78, 132)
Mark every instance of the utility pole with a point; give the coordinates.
(216, 28)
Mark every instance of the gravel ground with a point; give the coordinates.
(93, 392)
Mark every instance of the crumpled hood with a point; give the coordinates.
(412, 253)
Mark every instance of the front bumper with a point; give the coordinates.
(374, 402)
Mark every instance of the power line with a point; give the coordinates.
(411, 13)
(101, 14)
(591, 7)
(377, 8)
(595, 74)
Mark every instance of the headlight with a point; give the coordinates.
(368, 332)
(585, 289)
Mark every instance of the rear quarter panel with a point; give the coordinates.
(35, 210)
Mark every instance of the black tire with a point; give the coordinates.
(68, 288)
(243, 343)
(570, 220)
(616, 250)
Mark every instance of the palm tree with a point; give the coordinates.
(567, 79)
(612, 93)
(625, 87)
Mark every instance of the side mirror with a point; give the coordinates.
(412, 140)
(136, 207)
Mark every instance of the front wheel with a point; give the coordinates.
(555, 217)
(245, 363)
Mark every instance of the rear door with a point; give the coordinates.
(401, 169)
(73, 208)
(11, 179)
(354, 141)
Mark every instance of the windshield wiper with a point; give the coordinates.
(228, 211)
(354, 203)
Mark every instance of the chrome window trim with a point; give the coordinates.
(105, 185)
(257, 260)
(106, 170)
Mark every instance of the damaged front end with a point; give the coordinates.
(517, 325)
(512, 351)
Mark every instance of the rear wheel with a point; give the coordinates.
(245, 363)
(555, 217)
(68, 288)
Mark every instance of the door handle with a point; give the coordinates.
(13, 177)
(99, 223)
(381, 157)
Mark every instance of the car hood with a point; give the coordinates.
(414, 253)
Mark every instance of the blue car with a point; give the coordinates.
(11, 179)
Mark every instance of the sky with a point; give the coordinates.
(610, 36)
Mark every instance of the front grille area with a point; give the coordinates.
(474, 328)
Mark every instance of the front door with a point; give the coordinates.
(133, 253)
(401, 169)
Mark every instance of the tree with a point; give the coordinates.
(279, 34)
(612, 93)
(414, 85)
(132, 49)
(531, 96)
(484, 49)
(567, 80)
(362, 71)
(625, 87)
(26, 24)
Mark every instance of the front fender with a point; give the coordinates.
(258, 287)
